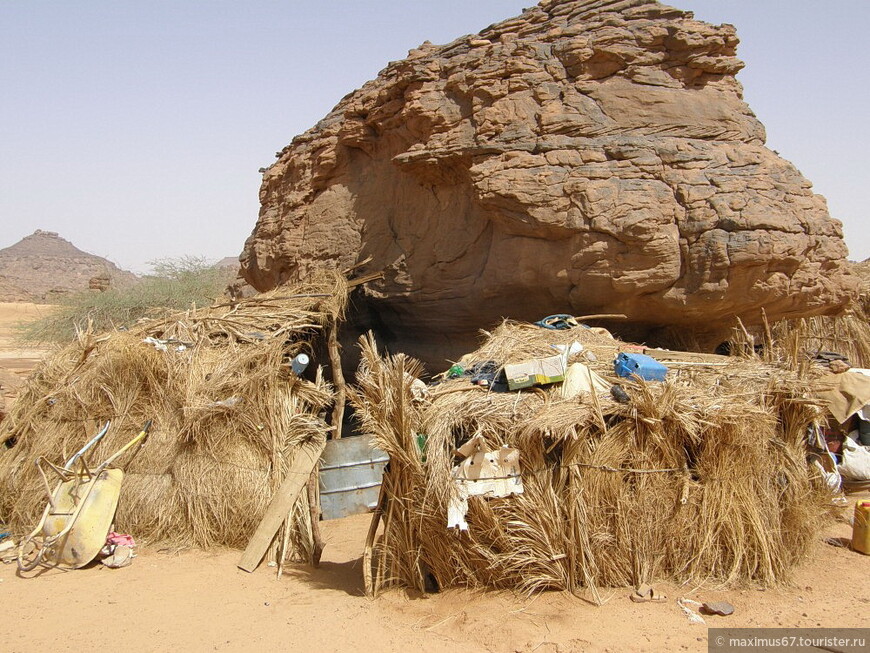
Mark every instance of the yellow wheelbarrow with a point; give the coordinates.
(80, 510)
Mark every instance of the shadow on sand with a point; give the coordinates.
(341, 576)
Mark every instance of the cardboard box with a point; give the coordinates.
(540, 371)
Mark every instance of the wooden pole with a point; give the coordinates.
(314, 509)
(338, 380)
(370, 583)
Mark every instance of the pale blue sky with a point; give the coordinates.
(136, 129)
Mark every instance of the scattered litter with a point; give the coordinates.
(122, 539)
(619, 394)
(829, 357)
(163, 345)
(646, 594)
(482, 473)
(540, 371)
(8, 551)
(569, 350)
(646, 367)
(483, 373)
(581, 379)
(856, 461)
(861, 527)
(419, 390)
(118, 551)
(559, 322)
(693, 616)
(832, 478)
(299, 363)
(158, 344)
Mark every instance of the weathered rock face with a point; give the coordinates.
(43, 266)
(588, 156)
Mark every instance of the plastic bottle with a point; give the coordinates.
(300, 363)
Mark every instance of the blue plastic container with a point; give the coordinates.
(646, 367)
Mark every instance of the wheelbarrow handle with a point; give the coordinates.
(142, 435)
(93, 441)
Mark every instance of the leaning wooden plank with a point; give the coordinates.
(297, 476)
(672, 356)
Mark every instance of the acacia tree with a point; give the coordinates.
(173, 284)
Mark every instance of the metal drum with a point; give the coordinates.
(350, 476)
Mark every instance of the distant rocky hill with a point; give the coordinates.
(237, 287)
(229, 262)
(43, 266)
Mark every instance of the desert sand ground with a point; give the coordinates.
(16, 360)
(200, 601)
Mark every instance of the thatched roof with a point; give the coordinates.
(227, 412)
(702, 477)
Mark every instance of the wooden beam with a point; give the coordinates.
(297, 477)
(314, 511)
(337, 379)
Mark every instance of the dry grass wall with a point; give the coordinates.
(228, 415)
(702, 478)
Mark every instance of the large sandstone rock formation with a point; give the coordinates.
(587, 156)
(43, 266)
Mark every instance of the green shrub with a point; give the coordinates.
(173, 285)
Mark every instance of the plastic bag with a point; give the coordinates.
(856, 461)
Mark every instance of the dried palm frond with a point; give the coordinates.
(702, 478)
(228, 415)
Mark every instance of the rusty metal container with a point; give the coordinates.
(350, 476)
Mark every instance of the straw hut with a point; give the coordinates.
(228, 414)
(701, 478)
(847, 333)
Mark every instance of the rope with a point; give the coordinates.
(603, 468)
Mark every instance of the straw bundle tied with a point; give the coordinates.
(702, 478)
(228, 416)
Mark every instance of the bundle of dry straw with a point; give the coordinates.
(702, 478)
(847, 334)
(797, 341)
(228, 415)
